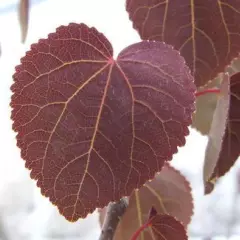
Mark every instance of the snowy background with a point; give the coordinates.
(24, 213)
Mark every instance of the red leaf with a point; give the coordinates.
(166, 227)
(206, 32)
(224, 146)
(23, 14)
(162, 227)
(89, 126)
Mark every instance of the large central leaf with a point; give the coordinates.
(207, 32)
(93, 129)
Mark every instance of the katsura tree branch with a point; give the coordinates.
(114, 213)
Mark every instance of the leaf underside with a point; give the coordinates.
(89, 126)
(198, 29)
(206, 103)
(205, 107)
(223, 146)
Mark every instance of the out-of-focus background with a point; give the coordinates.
(24, 213)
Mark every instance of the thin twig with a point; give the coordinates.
(114, 213)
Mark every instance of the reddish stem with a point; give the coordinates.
(211, 90)
(138, 232)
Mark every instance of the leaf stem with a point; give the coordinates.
(206, 91)
(138, 232)
(114, 213)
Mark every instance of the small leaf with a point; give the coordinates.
(161, 227)
(166, 227)
(199, 29)
(23, 14)
(222, 143)
(205, 107)
(169, 192)
(89, 126)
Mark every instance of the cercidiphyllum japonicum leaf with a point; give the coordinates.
(23, 15)
(161, 227)
(166, 227)
(205, 107)
(219, 155)
(92, 129)
(169, 192)
(207, 33)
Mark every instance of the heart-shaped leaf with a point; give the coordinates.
(206, 32)
(23, 14)
(169, 192)
(223, 146)
(89, 126)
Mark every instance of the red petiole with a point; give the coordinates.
(141, 229)
(211, 90)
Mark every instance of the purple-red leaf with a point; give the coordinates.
(169, 192)
(166, 227)
(23, 14)
(207, 32)
(92, 129)
(224, 146)
(161, 227)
